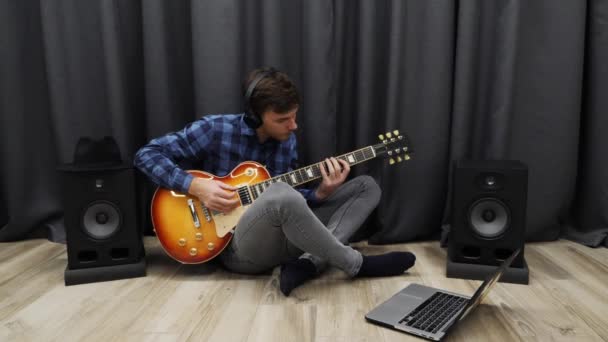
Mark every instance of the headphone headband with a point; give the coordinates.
(255, 82)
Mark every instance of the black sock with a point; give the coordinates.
(389, 264)
(296, 273)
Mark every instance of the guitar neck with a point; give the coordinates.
(308, 173)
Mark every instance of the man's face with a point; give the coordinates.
(278, 125)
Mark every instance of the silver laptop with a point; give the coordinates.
(428, 312)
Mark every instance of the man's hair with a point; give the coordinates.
(274, 92)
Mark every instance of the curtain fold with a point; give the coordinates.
(590, 213)
(27, 153)
(547, 106)
(399, 77)
(468, 79)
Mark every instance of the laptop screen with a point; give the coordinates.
(487, 285)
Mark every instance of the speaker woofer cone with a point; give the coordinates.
(489, 218)
(101, 220)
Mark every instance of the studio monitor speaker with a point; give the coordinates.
(103, 232)
(3, 209)
(3, 214)
(488, 220)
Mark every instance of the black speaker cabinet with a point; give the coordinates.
(3, 212)
(488, 219)
(104, 237)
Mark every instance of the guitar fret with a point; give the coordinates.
(296, 175)
(317, 169)
(300, 175)
(359, 156)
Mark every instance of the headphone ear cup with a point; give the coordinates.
(252, 120)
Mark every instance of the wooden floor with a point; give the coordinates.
(567, 300)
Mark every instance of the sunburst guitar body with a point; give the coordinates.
(191, 233)
(188, 231)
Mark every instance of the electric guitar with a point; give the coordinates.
(191, 233)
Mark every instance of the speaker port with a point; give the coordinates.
(471, 252)
(87, 256)
(119, 253)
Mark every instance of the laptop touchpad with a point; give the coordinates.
(394, 309)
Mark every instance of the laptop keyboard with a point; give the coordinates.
(431, 315)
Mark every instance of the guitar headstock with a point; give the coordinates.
(394, 146)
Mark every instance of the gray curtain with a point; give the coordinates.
(502, 79)
(590, 222)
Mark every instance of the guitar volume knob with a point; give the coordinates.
(181, 242)
(198, 236)
(193, 251)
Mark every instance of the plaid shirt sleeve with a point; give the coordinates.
(160, 157)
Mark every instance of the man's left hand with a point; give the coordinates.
(334, 173)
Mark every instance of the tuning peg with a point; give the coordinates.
(407, 157)
(404, 148)
(390, 153)
(397, 150)
(389, 135)
(381, 137)
(391, 161)
(396, 132)
(399, 159)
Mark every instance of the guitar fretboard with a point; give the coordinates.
(302, 175)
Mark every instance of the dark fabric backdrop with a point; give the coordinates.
(464, 79)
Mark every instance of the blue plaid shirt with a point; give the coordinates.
(215, 144)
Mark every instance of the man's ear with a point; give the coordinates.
(263, 115)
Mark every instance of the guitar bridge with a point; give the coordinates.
(197, 222)
(206, 213)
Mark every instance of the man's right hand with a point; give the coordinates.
(214, 195)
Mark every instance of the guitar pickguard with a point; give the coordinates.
(225, 223)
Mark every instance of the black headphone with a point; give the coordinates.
(253, 119)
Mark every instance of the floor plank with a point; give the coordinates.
(564, 301)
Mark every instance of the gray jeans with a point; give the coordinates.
(279, 226)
